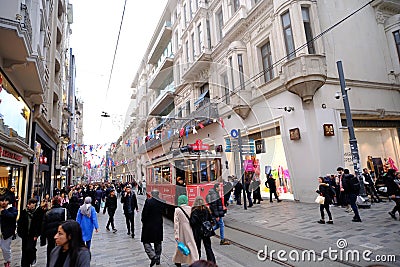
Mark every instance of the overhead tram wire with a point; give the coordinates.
(113, 62)
(261, 73)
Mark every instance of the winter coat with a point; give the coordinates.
(270, 183)
(392, 187)
(183, 232)
(327, 192)
(347, 184)
(197, 217)
(130, 203)
(111, 205)
(73, 207)
(88, 224)
(8, 219)
(23, 223)
(215, 203)
(83, 259)
(238, 188)
(152, 221)
(51, 221)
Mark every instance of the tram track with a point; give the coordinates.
(236, 232)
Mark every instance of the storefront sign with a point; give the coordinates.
(4, 153)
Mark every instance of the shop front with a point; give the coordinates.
(378, 145)
(43, 178)
(263, 155)
(15, 153)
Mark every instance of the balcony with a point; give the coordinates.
(163, 101)
(19, 62)
(240, 102)
(201, 63)
(161, 43)
(206, 114)
(304, 75)
(162, 72)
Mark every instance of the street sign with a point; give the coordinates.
(234, 133)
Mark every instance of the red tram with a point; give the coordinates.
(199, 168)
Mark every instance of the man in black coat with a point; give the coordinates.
(393, 190)
(349, 183)
(130, 205)
(152, 227)
(28, 229)
(271, 184)
(52, 219)
(8, 219)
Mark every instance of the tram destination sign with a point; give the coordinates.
(199, 146)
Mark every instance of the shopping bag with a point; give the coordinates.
(183, 248)
(320, 199)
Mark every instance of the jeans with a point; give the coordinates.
(6, 248)
(111, 220)
(326, 207)
(220, 224)
(353, 199)
(130, 222)
(88, 244)
(151, 253)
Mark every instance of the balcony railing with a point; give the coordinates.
(206, 114)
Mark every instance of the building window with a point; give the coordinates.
(191, 9)
(231, 69)
(220, 24)
(396, 35)
(236, 5)
(176, 41)
(184, 15)
(193, 47)
(208, 34)
(288, 35)
(266, 56)
(187, 108)
(305, 11)
(225, 86)
(199, 36)
(187, 51)
(241, 71)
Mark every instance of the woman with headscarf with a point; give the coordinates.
(87, 219)
(183, 232)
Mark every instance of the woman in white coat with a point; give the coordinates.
(183, 233)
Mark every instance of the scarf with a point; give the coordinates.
(86, 208)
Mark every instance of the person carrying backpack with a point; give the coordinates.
(351, 186)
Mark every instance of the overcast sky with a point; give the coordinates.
(93, 40)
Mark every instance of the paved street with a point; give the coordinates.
(287, 222)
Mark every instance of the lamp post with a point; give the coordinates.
(352, 137)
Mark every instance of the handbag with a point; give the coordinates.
(207, 229)
(320, 199)
(183, 248)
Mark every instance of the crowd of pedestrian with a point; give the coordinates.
(65, 223)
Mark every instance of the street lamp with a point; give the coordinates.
(352, 138)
